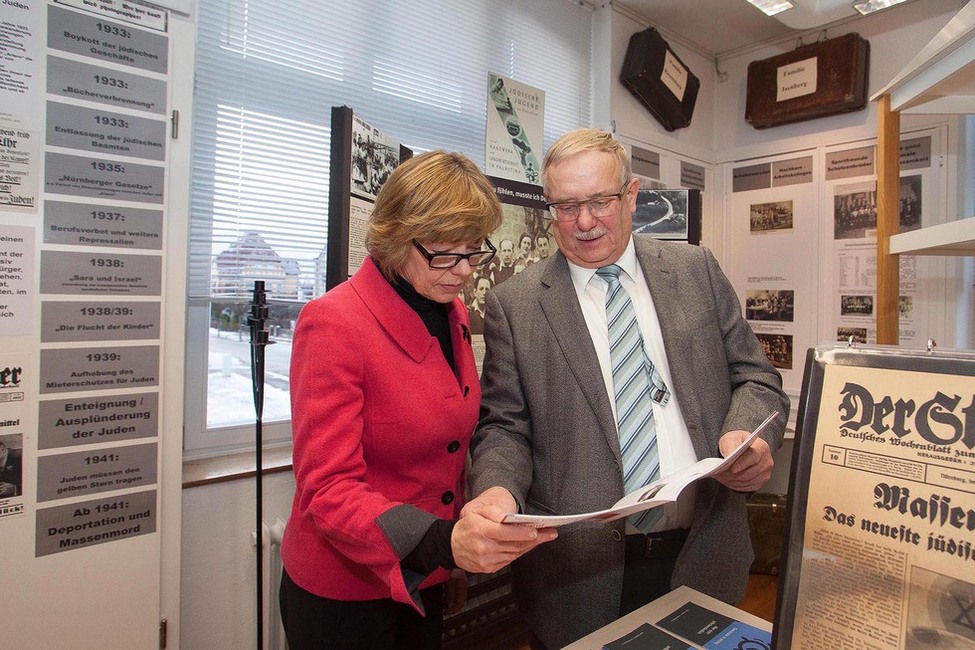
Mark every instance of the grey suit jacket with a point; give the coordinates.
(547, 432)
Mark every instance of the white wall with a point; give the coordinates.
(218, 601)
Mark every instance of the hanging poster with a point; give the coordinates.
(515, 115)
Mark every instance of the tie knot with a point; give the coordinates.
(609, 273)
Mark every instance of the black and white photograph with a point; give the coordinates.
(374, 156)
(858, 334)
(854, 214)
(524, 238)
(770, 304)
(778, 349)
(856, 305)
(661, 213)
(905, 306)
(11, 466)
(910, 203)
(771, 217)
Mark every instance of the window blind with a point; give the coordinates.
(269, 71)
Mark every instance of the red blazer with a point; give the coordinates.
(379, 419)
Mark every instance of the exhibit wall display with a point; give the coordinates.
(803, 228)
(84, 144)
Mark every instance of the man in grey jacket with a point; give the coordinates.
(547, 440)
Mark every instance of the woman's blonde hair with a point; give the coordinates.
(436, 197)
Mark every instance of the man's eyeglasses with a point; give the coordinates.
(450, 260)
(600, 206)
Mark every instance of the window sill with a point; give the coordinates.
(233, 467)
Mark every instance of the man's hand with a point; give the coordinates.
(482, 544)
(752, 469)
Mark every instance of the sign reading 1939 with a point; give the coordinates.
(71, 369)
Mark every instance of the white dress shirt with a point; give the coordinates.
(673, 440)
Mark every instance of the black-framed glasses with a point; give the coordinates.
(599, 206)
(450, 260)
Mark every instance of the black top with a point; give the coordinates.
(434, 549)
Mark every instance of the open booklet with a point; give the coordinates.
(658, 493)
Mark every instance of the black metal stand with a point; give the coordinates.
(259, 340)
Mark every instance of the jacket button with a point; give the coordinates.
(467, 389)
(617, 536)
(447, 497)
(453, 446)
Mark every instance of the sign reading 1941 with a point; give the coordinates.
(78, 525)
(98, 470)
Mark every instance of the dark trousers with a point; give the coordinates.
(315, 623)
(650, 561)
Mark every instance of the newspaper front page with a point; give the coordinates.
(888, 557)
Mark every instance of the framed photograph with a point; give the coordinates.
(877, 544)
(669, 214)
(361, 159)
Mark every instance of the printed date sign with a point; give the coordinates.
(63, 528)
(107, 40)
(64, 370)
(103, 178)
(107, 86)
(95, 224)
(100, 274)
(98, 470)
(99, 321)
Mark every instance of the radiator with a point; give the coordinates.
(274, 638)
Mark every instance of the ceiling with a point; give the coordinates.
(718, 27)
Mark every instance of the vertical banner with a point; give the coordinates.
(513, 155)
(515, 115)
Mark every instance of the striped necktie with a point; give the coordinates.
(634, 377)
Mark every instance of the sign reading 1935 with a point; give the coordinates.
(82, 176)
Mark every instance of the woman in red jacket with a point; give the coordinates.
(384, 399)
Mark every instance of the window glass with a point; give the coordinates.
(267, 74)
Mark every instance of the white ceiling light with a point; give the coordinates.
(772, 7)
(871, 6)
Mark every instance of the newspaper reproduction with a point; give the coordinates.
(888, 548)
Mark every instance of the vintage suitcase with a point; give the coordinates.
(824, 78)
(659, 79)
(766, 524)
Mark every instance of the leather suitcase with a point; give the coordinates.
(659, 79)
(824, 78)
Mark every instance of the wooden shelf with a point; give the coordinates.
(952, 238)
(941, 78)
